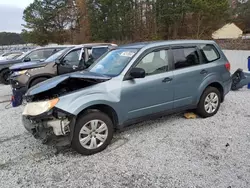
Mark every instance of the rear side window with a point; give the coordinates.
(98, 52)
(209, 52)
(185, 57)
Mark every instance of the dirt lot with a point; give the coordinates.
(168, 152)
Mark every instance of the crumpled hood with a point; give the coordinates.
(11, 61)
(27, 65)
(55, 81)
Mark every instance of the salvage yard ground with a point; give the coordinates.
(168, 152)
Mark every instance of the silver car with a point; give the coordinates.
(129, 84)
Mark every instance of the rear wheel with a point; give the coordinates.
(37, 80)
(93, 133)
(209, 103)
(4, 76)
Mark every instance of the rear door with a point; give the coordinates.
(189, 73)
(215, 61)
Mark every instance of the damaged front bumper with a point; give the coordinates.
(240, 79)
(54, 126)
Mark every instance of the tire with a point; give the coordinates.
(83, 131)
(209, 93)
(36, 81)
(4, 75)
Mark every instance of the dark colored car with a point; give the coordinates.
(65, 61)
(35, 55)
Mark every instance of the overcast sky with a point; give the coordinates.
(11, 14)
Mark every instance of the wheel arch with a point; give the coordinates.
(47, 76)
(107, 109)
(216, 85)
(2, 71)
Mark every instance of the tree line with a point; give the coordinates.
(80, 21)
(7, 38)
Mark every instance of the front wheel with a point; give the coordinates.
(93, 133)
(4, 76)
(37, 81)
(209, 103)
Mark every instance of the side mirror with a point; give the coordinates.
(27, 59)
(137, 73)
(57, 62)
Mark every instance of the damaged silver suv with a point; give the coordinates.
(126, 85)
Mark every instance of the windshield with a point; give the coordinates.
(56, 55)
(113, 63)
(23, 55)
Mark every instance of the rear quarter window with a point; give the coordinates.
(210, 52)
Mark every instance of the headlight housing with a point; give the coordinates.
(37, 68)
(18, 73)
(37, 108)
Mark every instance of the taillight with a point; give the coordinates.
(228, 66)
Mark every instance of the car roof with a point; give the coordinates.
(97, 44)
(140, 45)
(90, 45)
(54, 47)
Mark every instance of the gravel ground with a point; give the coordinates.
(168, 152)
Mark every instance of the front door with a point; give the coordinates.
(70, 62)
(152, 94)
(189, 73)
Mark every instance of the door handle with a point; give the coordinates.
(203, 72)
(167, 79)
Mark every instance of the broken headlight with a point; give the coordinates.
(37, 108)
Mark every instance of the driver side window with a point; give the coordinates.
(72, 58)
(155, 62)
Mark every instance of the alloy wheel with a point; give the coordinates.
(93, 134)
(211, 103)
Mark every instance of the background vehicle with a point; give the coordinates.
(14, 55)
(38, 54)
(10, 55)
(68, 60)
(127, 85)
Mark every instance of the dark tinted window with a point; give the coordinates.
(185, 57)
(98, 52)
(209, 52)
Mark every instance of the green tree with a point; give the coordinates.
(48, 20)
(242, 13)
(10, 38)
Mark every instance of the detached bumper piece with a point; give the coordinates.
(49, 129)
(240, 79)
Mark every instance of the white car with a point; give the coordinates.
(10, 55)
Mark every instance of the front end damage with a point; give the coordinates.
(43, 118)
(52, 127)
(240, 79)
